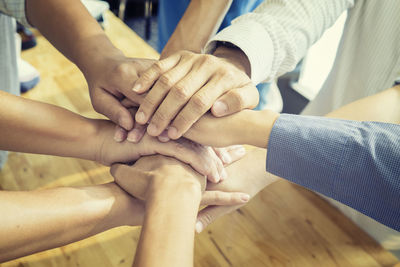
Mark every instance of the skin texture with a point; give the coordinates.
(69, 214)
(168, 226)
(34, 127)
(382, 107)
(109, 74)
(187, 85)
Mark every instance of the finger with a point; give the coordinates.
(163, 137)
(131, 180)
(126, 102)
(120, 134)
(136, 134)
(198, 158)
(177, 98)
(106, 104)
(209, 214)
(235, 152)
(223, 154)
(220, 166)
(149, 77)
(160, 89)
(236, 100)
(198, 105)
(224, 198)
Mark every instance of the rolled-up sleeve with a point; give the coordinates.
(356, 163)
(15, 9)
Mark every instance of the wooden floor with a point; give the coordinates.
(283, 226)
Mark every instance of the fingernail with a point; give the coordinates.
(224, 175)
(136, 88)
(245, 197)
(140, 117)
(199, 227)
(220, 108)
(226, 158)
(133, 136)
(152, 129)
(119, 135)
(163, 137)
(173, 133)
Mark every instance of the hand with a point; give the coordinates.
(136, 179)
(202, 159)
(245, 127)
(250, 180)
(186, 85)
(110, 81)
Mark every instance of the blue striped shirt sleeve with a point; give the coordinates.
(356, 163)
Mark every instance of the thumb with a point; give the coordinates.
(209, 214)
(236, 100)
(131, 180)
(106, 104)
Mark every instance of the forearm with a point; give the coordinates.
(34, 221)
(200, 21)
(172, 202)
(168, 230)
(382, 107)
(34, 127)
(71, 29)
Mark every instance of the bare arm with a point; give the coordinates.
(38, 220)
(173, 199)
(200, 21)
(254, 127)
(35, 127)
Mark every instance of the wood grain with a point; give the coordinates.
(284, 225)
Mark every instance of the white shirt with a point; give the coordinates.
(278, 34)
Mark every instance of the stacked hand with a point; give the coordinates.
(185, 86)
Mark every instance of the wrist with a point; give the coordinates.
(258, 128)
(94, 52)
(235, 56)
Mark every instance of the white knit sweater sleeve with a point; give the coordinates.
(277, 34)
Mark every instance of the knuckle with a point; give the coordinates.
(180, 92)
(182, 120)
(166, 81)
(147, 103)
(122, 69)
(200, 103)
(158, 67)
(230, 74)
(179, 147)
(208, 59)
(160, 116)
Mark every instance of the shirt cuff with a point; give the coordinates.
(254, 41)
(15, 9)
(307, 151)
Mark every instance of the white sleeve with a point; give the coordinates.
(15, 9)
(277, 34)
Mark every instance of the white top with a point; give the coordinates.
(278, 33)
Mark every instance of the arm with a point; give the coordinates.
(277, 34)
(203, 15)
(34, 127)
(38, 220)
(109, 74)
(168, 228)
(339, 158)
